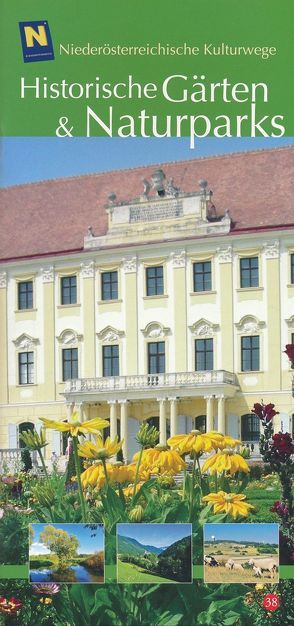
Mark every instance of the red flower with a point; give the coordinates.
(280, 508)
(283, 444)
(265, 412)
(290, 352)
(11, 606)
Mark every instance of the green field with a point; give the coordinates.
(130, 573)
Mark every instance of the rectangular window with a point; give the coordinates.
(203, 354)
(69, 290)
(109, 285)
(249, 272)
(156, 357)
(249, 354)
(26, 368)
(154, 281)
(292, 269)
(25, 295)
(202, 276)
(69, 363)
(110, 361)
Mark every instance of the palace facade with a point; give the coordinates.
(139, 295)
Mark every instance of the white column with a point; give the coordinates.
(162, 421)
(221, 415)
(173, 416)
(209, 413)
(79, 408)
(113, 419)
(69, 411)
(124, 428)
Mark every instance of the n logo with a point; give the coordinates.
(36, 41)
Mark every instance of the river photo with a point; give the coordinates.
(69, 553)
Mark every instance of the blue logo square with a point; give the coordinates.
(36, 41)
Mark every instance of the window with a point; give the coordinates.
(250, 427)
(156, 357)
(203, 354)
(249, 353)
(249, 272)
(25, 295)
(154, 281)
(69, 363)
(109, 286)
(200, 423)
(69, 290)
(110, 361)
(292, 269)
(26, 368)
(202, 276)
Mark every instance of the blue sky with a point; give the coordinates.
(29, 159)
(87, 545)
(158, 535)
(264, 533)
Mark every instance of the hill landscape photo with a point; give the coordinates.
(138, 560)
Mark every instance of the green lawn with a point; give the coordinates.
(263, 501)
(130, 573)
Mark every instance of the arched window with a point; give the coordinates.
(250, 427)
(200, 423)
(154, 421)
(21, 428)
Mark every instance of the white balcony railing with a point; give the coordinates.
(147, 381)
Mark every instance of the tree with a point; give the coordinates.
(60, 543)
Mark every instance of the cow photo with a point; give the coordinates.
(241, 553)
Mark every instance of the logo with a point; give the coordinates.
(36, 41)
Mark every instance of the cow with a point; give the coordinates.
(211, 561)
(264, 565)
(230, 564)
(257, 571)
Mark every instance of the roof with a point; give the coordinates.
(53, 216)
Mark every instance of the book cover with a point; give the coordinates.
(147, 327)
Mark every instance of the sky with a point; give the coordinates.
(264, 533)
(29, 159)
(157, 535)
(87, 544)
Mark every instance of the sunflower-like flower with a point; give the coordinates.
(46, 589)
(99, 450)
(11, 606)
(129, 490)
(196, 442)
(225, 461)
(120, 473)
(94, 476)
(226, 441)
(161, 460)
(74, 427)
(231, 503)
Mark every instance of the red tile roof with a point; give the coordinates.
(53, 216)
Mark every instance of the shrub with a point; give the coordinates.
(256, 471)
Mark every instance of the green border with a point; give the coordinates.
(22, 571)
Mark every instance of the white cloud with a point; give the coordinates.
(38, 548)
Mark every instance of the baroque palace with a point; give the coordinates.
(161, 293)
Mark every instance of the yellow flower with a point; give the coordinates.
(94, 476)
(161, 460)
(119, 473)
(231, 503)
(259, 587)
(99, 450)
(226, 441)
(196, 442)
(129, 491)
(225, 461)
(75, 427)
